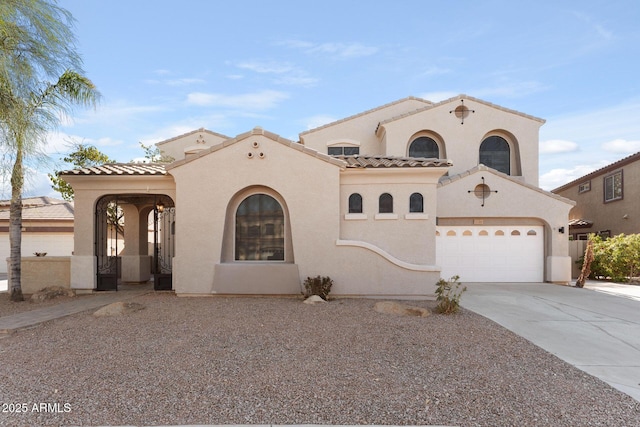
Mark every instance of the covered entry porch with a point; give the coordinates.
(125, 221)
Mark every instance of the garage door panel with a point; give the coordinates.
(491, 254)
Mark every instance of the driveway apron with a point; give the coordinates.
(596, 332)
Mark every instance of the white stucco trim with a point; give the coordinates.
(384, 216)
(387, 256)
(416, 215)
(355, 216)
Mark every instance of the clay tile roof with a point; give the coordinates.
(120, 169)
(392, 162)
(580, 223)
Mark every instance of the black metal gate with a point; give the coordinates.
(108, 233)
(164, 226)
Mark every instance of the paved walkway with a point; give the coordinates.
(595, 331)
(9, 324)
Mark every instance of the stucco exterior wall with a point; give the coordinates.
(360, 128)
(462, 141)
(619, 216)
(207, 184)
(175, 147)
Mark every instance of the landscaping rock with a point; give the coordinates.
(118, 309)
(392, 307)
(52, 292)
(314, 299)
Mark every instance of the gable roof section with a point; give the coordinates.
(123, 169)
(364, 113)
(193, 132)
(259, 131)
(457, 98)
(47, 211)
(392, 162)
(446, 180)
(610, 168)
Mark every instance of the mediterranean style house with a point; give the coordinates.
(385, 202)
(607, 200)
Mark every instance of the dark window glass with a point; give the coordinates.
(613, 187)
(343, 151)
(495, 153)
(385, 203)
(416, 203)
(355, 203)
(259, 229)
(424, 147)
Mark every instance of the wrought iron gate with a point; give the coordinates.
(108, 230)
(164, 225)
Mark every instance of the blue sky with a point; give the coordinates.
(168, 67)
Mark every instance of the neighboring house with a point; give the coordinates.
(47, 227)
(607, 200)
(384, 202)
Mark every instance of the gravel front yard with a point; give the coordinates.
(276, 360)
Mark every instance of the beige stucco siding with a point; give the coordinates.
(462, 141)
(359, 129)
(208, 184)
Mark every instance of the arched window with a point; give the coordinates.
(424, 147)
(259, 229)
(416, 203)
(385, 203)
(495, 153)
(355, 203)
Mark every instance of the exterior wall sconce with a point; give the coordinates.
(160, 207)
(561, 230)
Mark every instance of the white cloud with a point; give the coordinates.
(262, 100)
(560, 176)
(186, 81)
(556, 146)
(622, 146)
(266, 67)
(438, 96)
(317, 121)
(435, 71)
(287, 73)
(335, 50)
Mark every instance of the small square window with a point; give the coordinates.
(584, 187)
(613, 187)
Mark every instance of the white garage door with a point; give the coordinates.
(491, 254)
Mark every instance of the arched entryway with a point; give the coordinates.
(134, 240)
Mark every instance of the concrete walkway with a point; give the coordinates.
(27, 319)
(595, 331)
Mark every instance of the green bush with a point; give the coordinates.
(320, 286)
(449, 293)
(616, 258)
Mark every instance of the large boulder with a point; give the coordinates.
(118, 309)
(393, 307)
(51, 292)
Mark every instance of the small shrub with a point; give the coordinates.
(320, 286)
(449, 293)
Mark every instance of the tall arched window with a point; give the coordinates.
(385, 203)
(416, 203)
(259, 229)
(424, 147)
(495, 153)
(355, 203)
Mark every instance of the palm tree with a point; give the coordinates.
(36, 48)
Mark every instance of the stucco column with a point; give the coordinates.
(135, 261)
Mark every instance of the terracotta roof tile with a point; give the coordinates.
(391, 162)
(120, 169)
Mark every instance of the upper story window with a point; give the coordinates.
(385, 203)
(259, 229)
(343, 151)
(584, 187)
(355, 203)
(495, 153)
(424, 147)
(416, 203)
(613, 187)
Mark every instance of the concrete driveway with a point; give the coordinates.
(595, 331)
